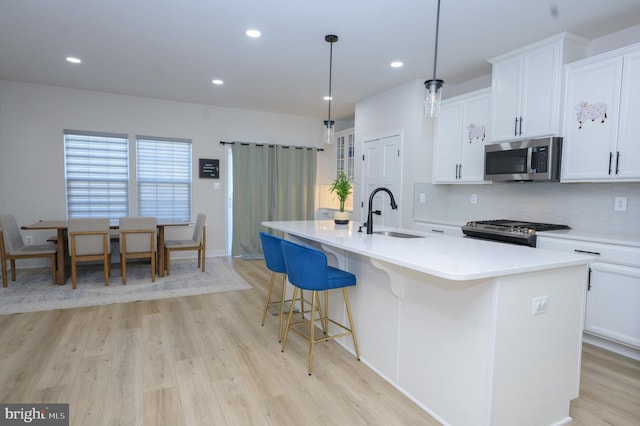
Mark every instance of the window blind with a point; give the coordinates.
(164, 177)
(97, 174)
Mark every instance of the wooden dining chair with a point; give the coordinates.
(89, 240)
(137, 241)
(12, 247)
(197, 242)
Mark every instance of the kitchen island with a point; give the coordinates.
(475, 332)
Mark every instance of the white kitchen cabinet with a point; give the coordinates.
(345, 155)
(613, 292)
(613, 303)
(460, 136)
(438, 228)
(526, 88)
(602, 101)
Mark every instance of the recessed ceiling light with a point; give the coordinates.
(217, 82)
(396, 64)
(253, 33)
(73, 60)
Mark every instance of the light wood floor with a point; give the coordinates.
(205, 360)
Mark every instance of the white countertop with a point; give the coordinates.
(629, 239)
(452, 258)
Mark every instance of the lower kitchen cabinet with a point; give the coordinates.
(613, 303)
(612, 312)
(438, 228)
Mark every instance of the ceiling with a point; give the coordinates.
(172, 49)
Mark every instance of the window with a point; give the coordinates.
(164, 177)
(96, 174)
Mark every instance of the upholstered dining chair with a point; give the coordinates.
(197, 242)
(307, 269)
(89, 240)
(137, 241)
(12, 247)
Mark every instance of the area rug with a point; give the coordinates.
(33, 291)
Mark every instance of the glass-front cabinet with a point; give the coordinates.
(345, 157)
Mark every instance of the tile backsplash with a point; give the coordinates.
(585, 206)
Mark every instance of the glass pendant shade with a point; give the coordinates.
(329, 131)
(329, 123)
(433, 97)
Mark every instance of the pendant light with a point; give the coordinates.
(329, 123)
(433, 94)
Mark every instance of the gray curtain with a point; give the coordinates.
(269, 183)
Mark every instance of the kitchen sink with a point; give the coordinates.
(396, 234)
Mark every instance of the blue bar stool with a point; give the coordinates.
(274, 260)
(307, 269)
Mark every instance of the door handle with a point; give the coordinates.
(610, 159)
(521, 120)
(515, 129)
(587, 252)
(617, 162)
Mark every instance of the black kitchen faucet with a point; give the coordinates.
(370, 212)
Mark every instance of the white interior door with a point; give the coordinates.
(382, 168)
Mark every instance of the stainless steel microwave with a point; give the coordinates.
(526, 160)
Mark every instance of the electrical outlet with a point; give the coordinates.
(620, 204)
(474, 198)
(540, 305)
(423, 197)
(28, 240)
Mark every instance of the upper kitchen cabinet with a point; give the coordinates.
(601, 102)
(526, 88)
(345, 144)
(460, 136)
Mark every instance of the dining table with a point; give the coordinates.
(61, 226)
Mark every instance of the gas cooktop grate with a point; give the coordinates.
(536, 226)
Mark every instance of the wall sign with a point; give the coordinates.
(209, 168)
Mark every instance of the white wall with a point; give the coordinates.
(32, 119)
(400, 109)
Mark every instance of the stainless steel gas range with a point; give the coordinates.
(508, 231)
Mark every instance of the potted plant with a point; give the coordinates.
(342, 187)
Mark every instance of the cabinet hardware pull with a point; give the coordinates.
(587, 252)
(515, 129)
(617, 162)
(610, 158)
(521, 120)
(460, 172)
(438, 231)
(589, 280)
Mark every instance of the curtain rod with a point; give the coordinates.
(270, 145)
